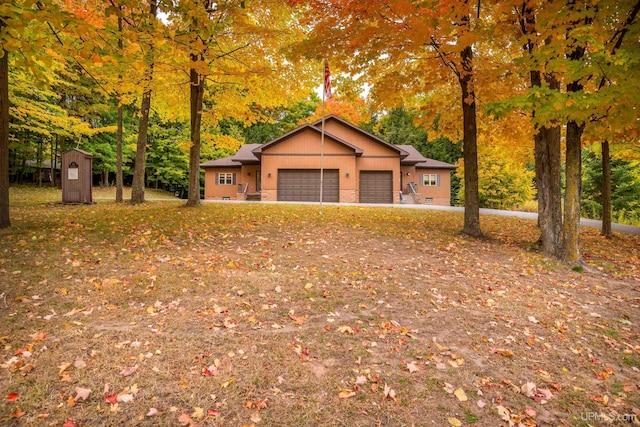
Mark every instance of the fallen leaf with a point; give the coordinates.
(152, 412)
(389, 393)
(82, 393)
(198, 413)
(255, 417)
(504, 413)
(438, 346)
(454, 422)
(449, 388)
(345, 330)
(69, 423)
(129, 370)
(17, 413)
(529, 389)
(361, 379)
(503, 352)
(185, 420)
(124, 397)
(12, 397)
(481, 403)
(213, 412)
(63, 368)
(461, 395)
(111, 398)
(345, 394)
(227, 383)
(411, 366)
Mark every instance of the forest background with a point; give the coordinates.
(537, 102)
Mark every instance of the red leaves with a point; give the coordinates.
(12, 397)
(111, 398)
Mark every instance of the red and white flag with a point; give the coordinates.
(327, 81)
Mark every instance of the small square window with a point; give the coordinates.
(428, 200)
(226, 178)
(430, 180)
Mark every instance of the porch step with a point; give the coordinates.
(410, 199)
(254, 196)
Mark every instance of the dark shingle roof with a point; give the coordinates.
(243, 156)
(420, 161)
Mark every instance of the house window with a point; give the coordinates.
(430, 179)
(226, 178)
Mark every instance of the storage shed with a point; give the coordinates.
(76, 177)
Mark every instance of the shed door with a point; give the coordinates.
(376, 187)
(303, 185)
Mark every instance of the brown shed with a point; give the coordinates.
(76, 176)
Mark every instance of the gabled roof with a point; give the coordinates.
(413, 155)
(258, 151)
(435, 164)
(243, 156)
(355, 128)
(420, 161)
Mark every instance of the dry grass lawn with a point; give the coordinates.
(272, 315)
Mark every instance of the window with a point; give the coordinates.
(430, 179)
(227, 178)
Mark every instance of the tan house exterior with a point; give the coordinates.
(352, 166)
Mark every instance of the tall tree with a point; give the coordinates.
(234, 56)
(546, 141)
(408, 51)
(138, 184)
(5, 220)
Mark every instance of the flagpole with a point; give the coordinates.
(324, 90)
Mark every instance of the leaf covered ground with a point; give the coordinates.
(274, 315)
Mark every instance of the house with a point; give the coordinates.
(357, 167)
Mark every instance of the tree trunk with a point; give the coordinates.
(573, 188)
(137, 186)
(119, 197)
(4, 137)
(469, 146)
(573, 193)
(606, 190)
(548, 180)
(196, 97)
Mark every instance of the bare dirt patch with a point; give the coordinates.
(273, 315)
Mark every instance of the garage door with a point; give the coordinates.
(303, 185)
(376, 187)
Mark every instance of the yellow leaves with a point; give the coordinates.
(460, 394)
(228, 383)
(344, 329)
(345, 394)
(454, 422)
(503, 352)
